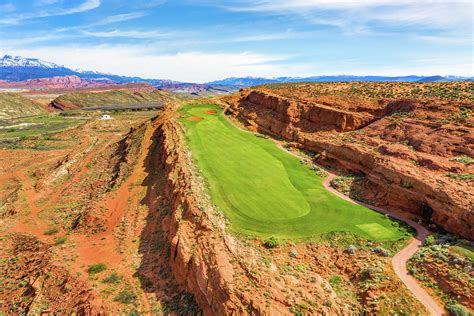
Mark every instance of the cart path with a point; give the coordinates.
(399, 261)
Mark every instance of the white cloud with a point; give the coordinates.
(444, 39)
(129, 34)
(121, 17)
(350, 15)
(140, 61)
(85, 6)
(45, 2)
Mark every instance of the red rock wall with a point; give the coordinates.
(289, 116)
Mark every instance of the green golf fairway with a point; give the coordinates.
(265, 191)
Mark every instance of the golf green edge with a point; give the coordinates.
(264, 191)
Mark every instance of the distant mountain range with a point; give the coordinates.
(17, 68)
(253, 81)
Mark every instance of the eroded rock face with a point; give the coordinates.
(210, 263)
(289, 116)
(405, 148)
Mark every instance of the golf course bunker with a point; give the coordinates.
(264, 191)
(194, 118)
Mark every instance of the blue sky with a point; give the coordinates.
(204, 40)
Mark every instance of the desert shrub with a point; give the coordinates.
(463, 159)
(126, 297)
(429, 240)
(412, 270)
(406, 185)
(96, 268)
(51, 231)
(456, 309)
(272, 242)
(335, 281)
(461, 177)
(60, 240)
(114, 278)
(319, 171)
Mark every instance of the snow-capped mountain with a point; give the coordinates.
(18, 61)
(17, 68)
(20, 69)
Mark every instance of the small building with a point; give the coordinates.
(105, 117)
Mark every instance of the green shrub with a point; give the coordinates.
(463, 159)
(271, 242)
(461, 177)
(126, 297)
(429, 240)
(114, 278)
(336, 282)
(60, 240)
(96, 268)
(456, 309)
(51, 231)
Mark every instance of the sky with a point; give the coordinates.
(205, 40)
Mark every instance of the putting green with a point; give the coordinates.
(265, 191)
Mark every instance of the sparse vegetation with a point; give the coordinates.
(461, 177)
(464, 159)
(51, 231)
(113, 278)
(96, 268)
(60, 240)
(456, 309)
(126, 296)
(272, 242)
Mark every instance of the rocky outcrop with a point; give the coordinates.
(217, 268)
(288, 117)
(405, 149)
